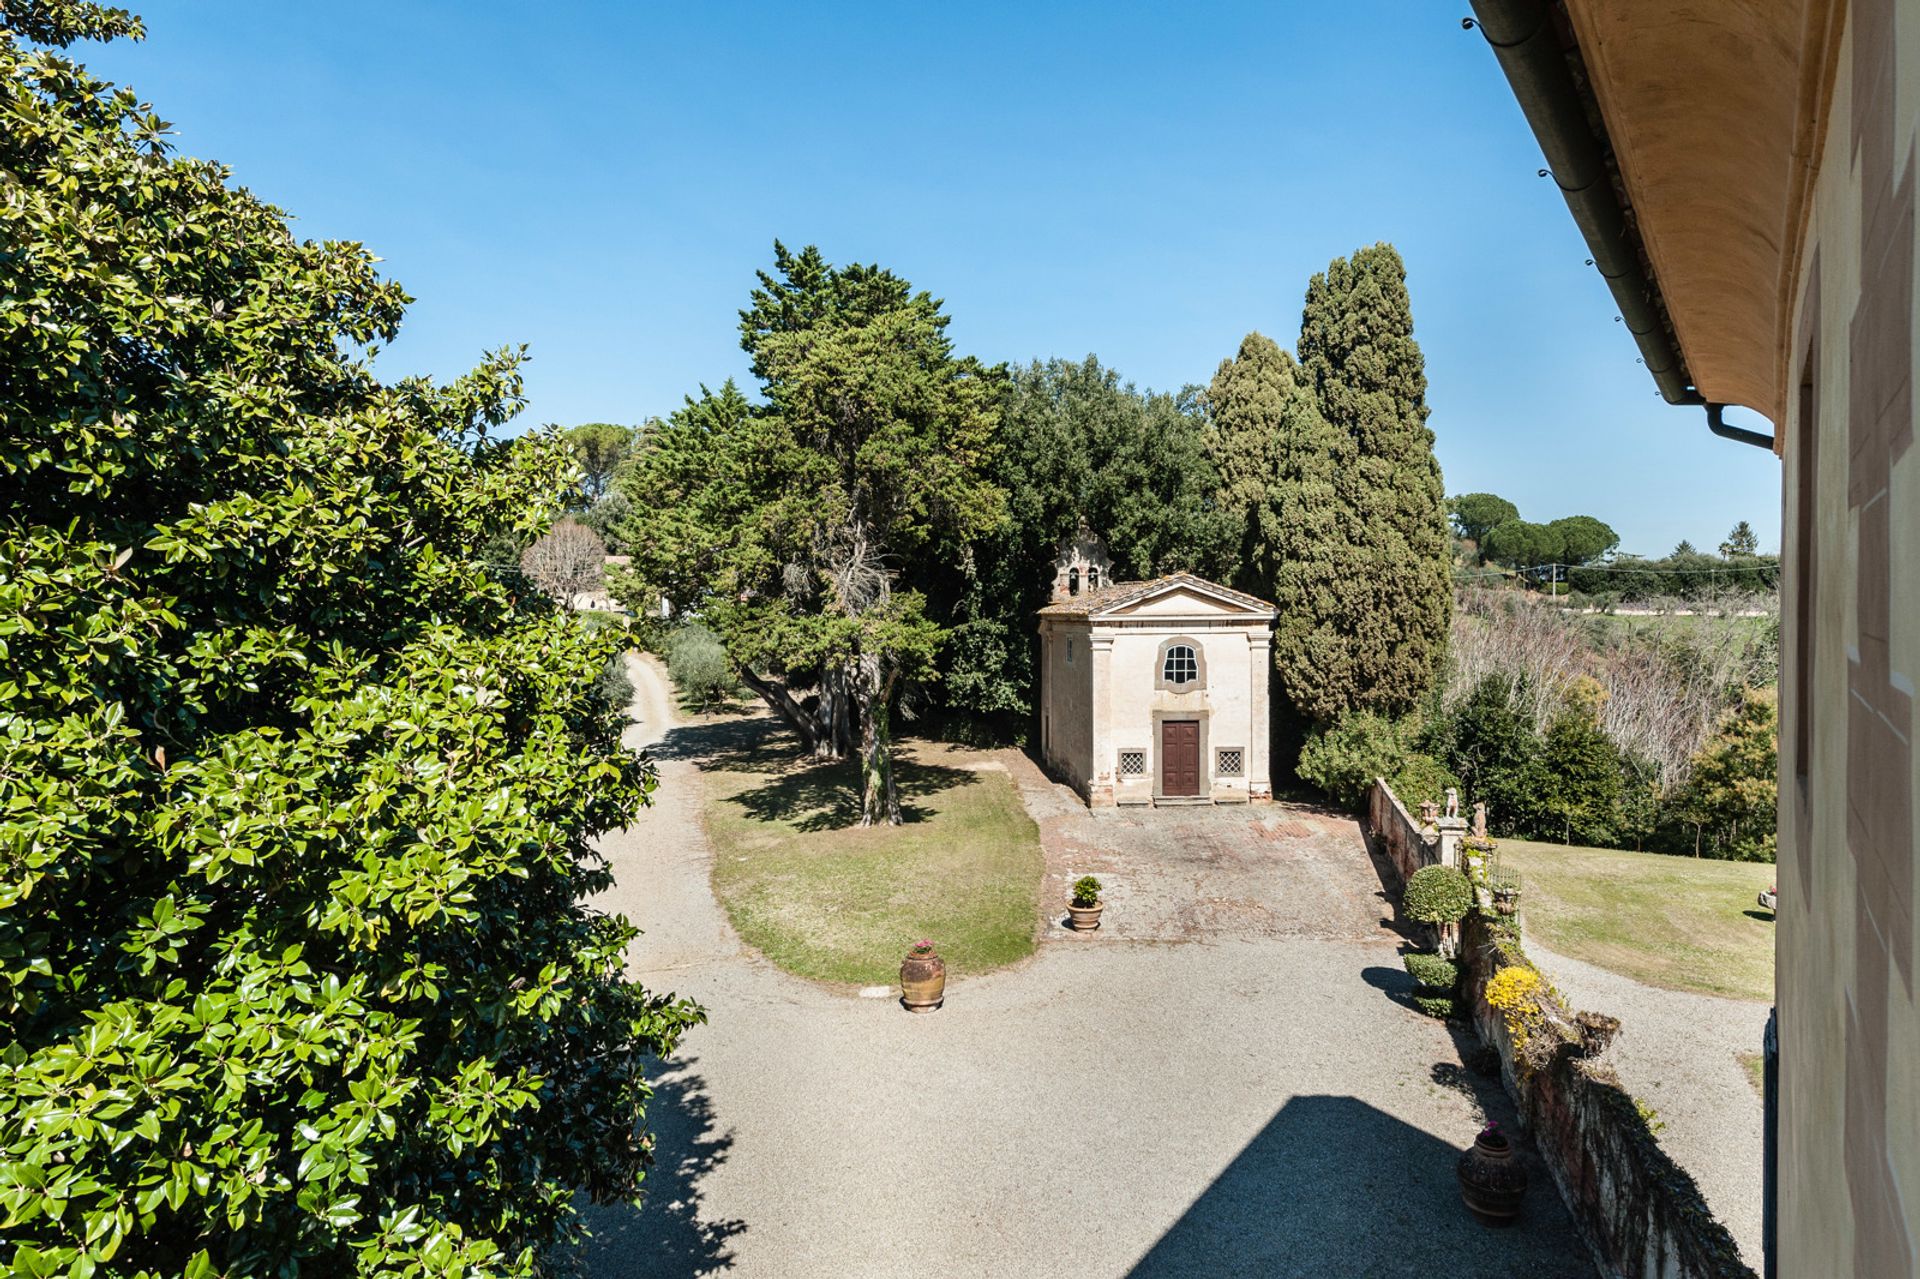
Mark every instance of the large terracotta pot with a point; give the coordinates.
(1492, 1180)
(923, 981)
(1085, 918)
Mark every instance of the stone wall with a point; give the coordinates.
(1406, 845)
(1640, 1212)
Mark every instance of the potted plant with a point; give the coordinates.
(923, 979)
(1492, 1180)
(1086, 905)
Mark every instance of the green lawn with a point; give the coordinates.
(825, 899)
(1679, 922)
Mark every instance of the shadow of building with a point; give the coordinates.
(1333, 1188)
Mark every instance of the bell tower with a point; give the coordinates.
(1081, 564)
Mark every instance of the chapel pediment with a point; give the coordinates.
(1174, 596)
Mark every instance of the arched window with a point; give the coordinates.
(1093, 579)
(1073, 581)
(1182, 666)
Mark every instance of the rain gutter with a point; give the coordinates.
(1540, 64)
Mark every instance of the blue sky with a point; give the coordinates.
(1146, 182)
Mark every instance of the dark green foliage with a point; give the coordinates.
(1297, 543)
(1732, 795)
(1343, 759)
(297, 970)
(1518, 543)
(807, 533)
(1253, 406)
(614, 687)
(1686, 574)
(1477, 514)
(606, 517)
(1742, 541)
(1086, 892)
(1492, 746)
(1435, 972)
(1582, 539)
(1583, 772)
(1390, 566)
(1437, 895)
(1077, 445)
(600, 449)
(1421, 777)
(699, 665)
(1441, 1006)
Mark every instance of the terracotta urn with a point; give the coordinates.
(1084, 919)
(1492, 1180)
(923, 979)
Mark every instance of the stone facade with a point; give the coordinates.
(1154, 692)
(1760, 161)
(1849, 1014)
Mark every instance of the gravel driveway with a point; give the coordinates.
(1254, 1101)
(1679, 1053)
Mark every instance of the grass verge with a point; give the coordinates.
(825, 899)
(1683, 923)
(1755, 1065)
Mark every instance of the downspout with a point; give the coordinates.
(1717, 423)
(1525, 40)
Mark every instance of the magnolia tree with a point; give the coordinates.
(296, 966)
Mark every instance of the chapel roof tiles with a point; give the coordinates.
(1101, 599)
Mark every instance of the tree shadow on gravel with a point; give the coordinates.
(666, 1238)
(726, 744)
(1394, 983)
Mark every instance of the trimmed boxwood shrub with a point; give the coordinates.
(1432, 971)
(1441, 1006)
(1437, 895)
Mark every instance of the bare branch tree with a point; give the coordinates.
(1666, 684)
(567, 562)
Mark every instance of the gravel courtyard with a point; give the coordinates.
(1221, 1082)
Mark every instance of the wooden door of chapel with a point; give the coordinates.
(1180, 757)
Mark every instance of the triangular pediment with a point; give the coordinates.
(1185, 596)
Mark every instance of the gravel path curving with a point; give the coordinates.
(1253, 1103)
(1679, 1053)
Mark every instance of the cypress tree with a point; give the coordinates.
(1278, 458)
(1369, 379)
(1247, 405)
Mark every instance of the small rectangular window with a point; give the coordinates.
(1229, 761)
(1133, 763)
(1069, 652)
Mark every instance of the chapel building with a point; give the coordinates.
(1153, 692)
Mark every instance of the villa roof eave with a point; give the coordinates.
(1540, 55)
